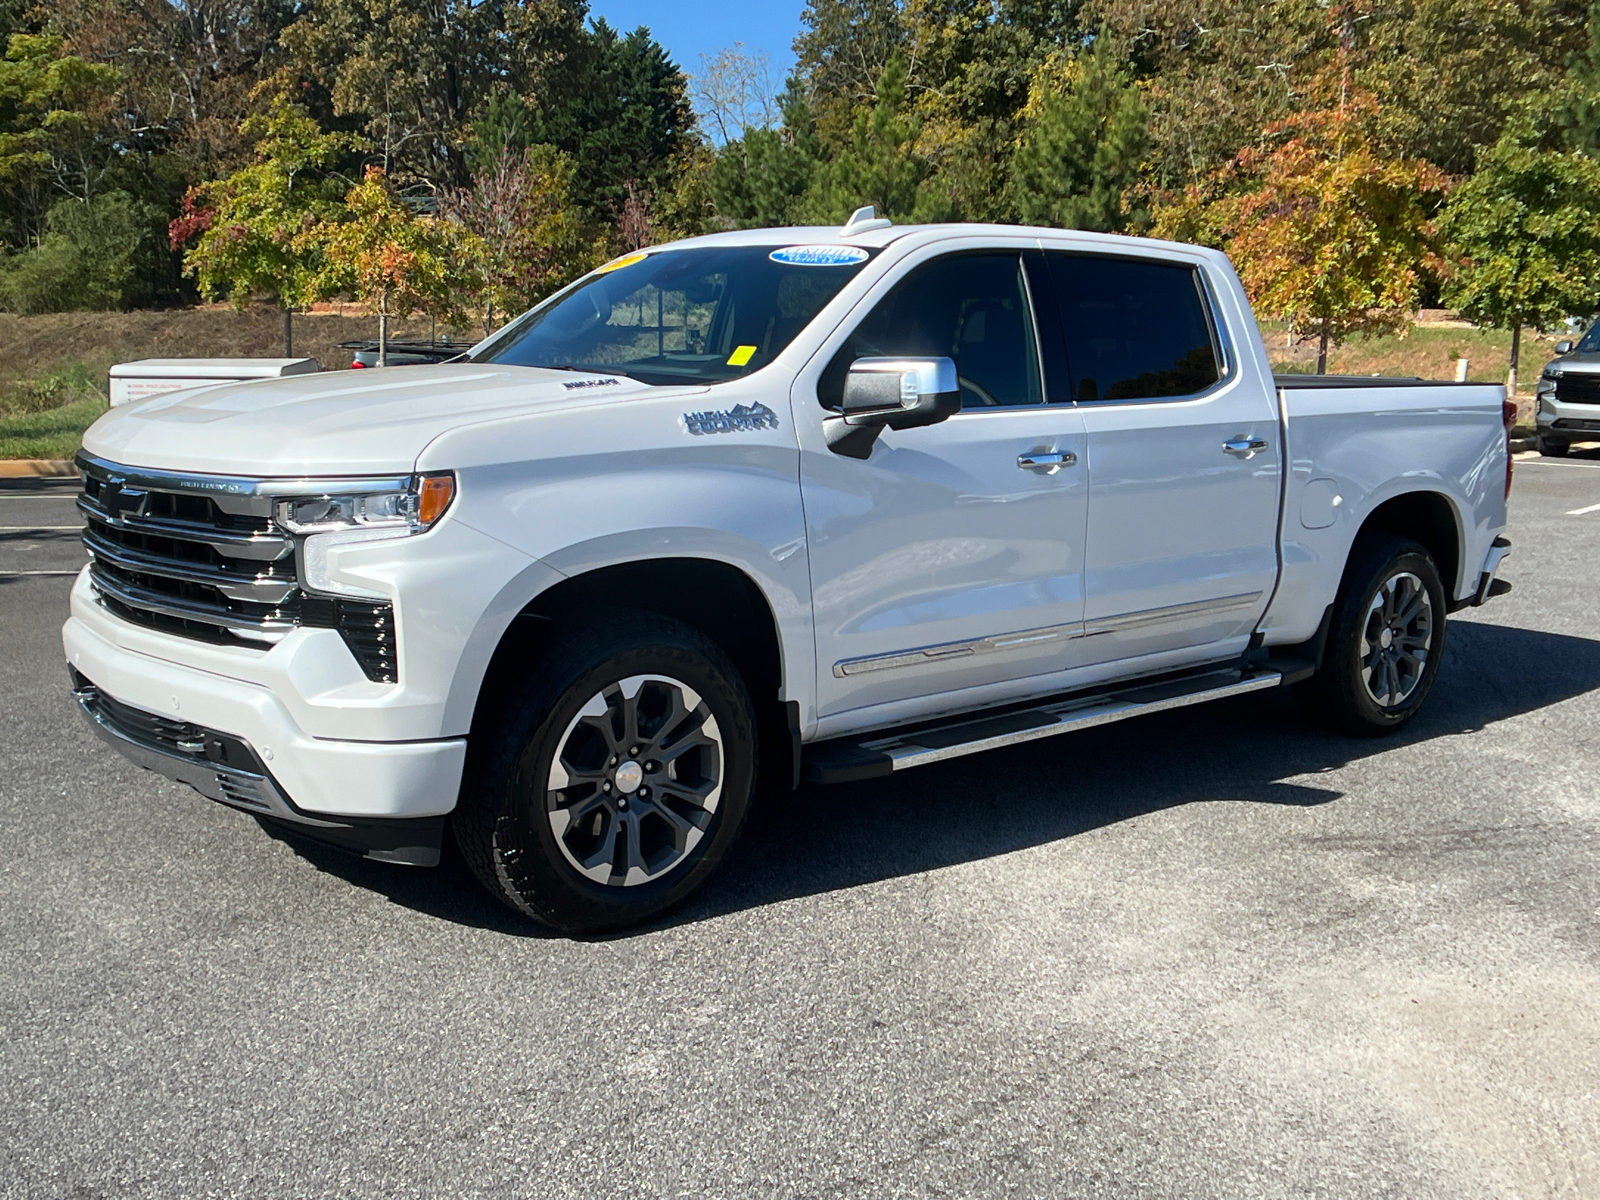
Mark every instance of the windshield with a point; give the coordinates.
(681, 316)
(1590, 342)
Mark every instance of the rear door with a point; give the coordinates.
(1184, 460)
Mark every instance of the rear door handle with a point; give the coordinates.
(1048, 462)
(1244, 447)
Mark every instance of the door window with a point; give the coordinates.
(1134, 329)
(972, 308)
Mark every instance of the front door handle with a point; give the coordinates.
(1244, 447)
(1049, 462)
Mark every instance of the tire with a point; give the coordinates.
(1371, 684)
(562, 823)
(1551, 448)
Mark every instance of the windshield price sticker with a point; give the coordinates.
(819, 256)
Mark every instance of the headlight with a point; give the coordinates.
(410, 511)
(345, 515)
(1546, 385)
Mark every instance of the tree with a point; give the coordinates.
(249, 230)
(624, 118)
(47, 129)
(759, 178)
(388, 258)
(1078, 166)
(100, 253)
(1325, 231)
(844, 48)
(880, 165)
(732, 92)
(414, 73)
(1524, 228)
(527, 237)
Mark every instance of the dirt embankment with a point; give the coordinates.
(32, 346)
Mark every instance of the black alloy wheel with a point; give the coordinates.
(612, 785)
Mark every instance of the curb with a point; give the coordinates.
(36, 468)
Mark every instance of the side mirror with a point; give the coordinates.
(891, 393)
(1563, 347)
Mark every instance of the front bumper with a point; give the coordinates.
(316, 778)
(1567, 421)
(227, 770)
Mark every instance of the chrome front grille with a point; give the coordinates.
(202, 564)
(199, 556)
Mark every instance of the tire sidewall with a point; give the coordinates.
(530, 863)
(1384, 562)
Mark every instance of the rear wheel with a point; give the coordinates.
(609, 791)
(1385, 640)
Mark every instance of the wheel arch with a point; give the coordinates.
(717, 598)
(1428, 517)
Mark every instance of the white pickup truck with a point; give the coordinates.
(753, 508)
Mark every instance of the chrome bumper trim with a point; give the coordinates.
(407, 841)
(215, 781)
(1491, 564)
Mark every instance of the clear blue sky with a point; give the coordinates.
(690, 28)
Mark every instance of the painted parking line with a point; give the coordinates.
(41, 528)
(1578, 512)
(11, 574)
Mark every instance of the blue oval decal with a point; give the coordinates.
(820, 256)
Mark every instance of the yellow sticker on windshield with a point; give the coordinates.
(627, 260)
(741, 355)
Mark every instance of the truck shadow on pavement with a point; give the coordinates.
(823, 839)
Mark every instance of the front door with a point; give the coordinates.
(1184, 461)
(952, 558)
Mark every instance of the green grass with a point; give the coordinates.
(44, 416)
(53, 433)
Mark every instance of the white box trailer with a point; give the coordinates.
(154, 376)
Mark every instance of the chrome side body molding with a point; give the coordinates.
(924, 655)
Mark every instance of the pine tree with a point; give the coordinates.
(1077, 167)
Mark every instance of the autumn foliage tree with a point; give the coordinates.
(388, 258)
(250, 233)
(1327, 232)
(523, 236)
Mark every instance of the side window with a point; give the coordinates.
(972, 308)
(1134, 329)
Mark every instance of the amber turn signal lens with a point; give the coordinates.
(436, 493)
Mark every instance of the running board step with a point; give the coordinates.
(845, 760)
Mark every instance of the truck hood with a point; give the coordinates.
(1578, 364)
(371, 422)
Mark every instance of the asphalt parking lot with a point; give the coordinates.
(1207, 953)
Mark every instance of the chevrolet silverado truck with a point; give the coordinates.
(755, 508)
(1568, 396)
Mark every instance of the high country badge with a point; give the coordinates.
(738, 419)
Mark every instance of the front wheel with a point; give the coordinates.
(611, 788)
(1385, 641)
(1551, 447)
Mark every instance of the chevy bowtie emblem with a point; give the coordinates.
(117, 498)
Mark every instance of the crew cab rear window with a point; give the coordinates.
(1134, 329)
